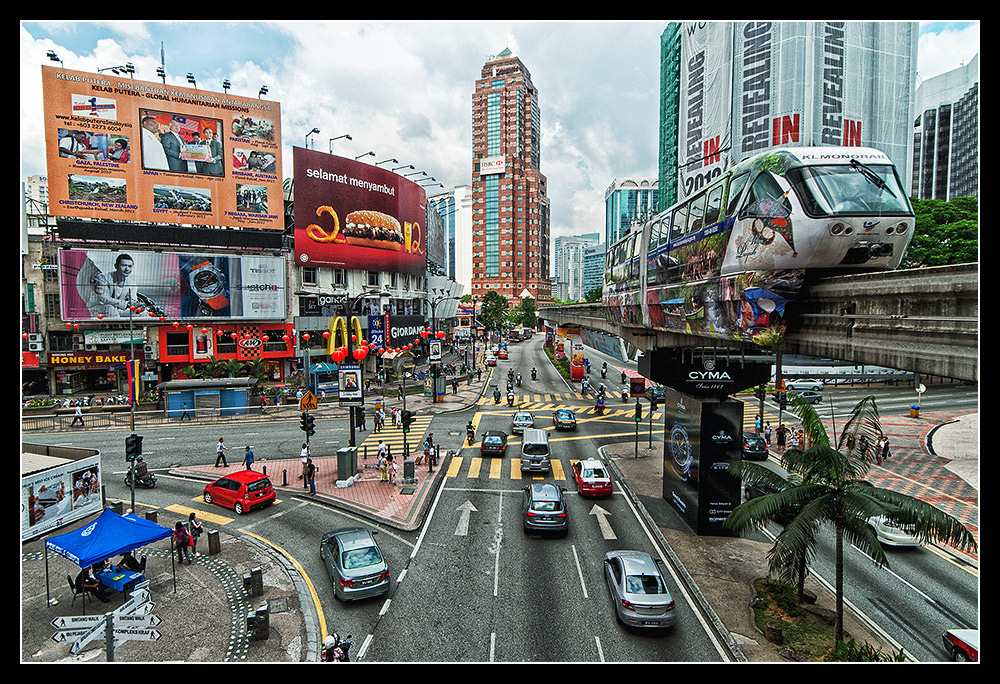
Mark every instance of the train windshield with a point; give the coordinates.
(854, 189)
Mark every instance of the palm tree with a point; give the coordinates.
(827, 485)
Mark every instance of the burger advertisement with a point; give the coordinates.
(349, 214)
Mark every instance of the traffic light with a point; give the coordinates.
(407, 419)
(307, 424)
(782, 400)
(652, 405)
(758, 392)
(638, 411)
(133, 447)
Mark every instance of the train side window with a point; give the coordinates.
(735, 190)
(714, 205)
(697, 213)
(678, 223)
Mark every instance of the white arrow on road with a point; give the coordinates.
(467, 509)
(602, 520)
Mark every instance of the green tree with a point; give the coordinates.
(830, 488)
(593, 295)
(493, 311)
(945, 233)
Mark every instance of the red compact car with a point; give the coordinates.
(242, 490)
(592, 478)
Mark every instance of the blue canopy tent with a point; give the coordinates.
(107, 536)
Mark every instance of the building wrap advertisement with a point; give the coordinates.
(130, 150)
(747, 87)
(100, 284)
(354, 215)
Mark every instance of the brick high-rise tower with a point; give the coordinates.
(510, 227)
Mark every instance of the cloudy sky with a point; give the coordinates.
(403, 90)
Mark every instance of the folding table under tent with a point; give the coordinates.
(108, 536)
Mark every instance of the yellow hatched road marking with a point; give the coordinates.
(207, 517)
(454, 467)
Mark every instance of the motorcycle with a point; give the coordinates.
(143, 478)
(604, 373)
(496, 397)
(335, 650)
(510, 400)
(599, 408)
(625, 395)
(518, 379)
(534, 374)
(470, 434)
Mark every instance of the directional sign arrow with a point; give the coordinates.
(467, 509)
(89, 635)
(70, 634)
(136, 621)
(77, 621)
(129, 634)
(602, 520)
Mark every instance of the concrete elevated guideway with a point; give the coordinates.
(923, 320)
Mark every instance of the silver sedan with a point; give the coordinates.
(638, 590)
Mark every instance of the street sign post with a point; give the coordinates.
(308, 402)
(130, 621)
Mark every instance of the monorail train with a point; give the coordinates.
(724, 262)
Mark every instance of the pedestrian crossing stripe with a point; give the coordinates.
(474, 467)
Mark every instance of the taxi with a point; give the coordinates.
(564, 419)
(592, 478)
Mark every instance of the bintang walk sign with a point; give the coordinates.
(132, 621)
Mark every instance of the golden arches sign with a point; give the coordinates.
(339, 324)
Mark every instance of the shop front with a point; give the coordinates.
(269, 346)
(92, 372)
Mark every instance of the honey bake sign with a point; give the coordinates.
(354, 215)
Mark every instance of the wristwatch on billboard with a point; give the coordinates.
(209, 283)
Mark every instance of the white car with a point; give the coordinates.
(892, 534)
(814, 385)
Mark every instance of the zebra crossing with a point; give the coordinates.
(394, 438)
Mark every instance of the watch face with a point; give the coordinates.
(680, 451)
(207, 281)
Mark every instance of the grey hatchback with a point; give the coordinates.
(638, 590)
(544, 507)
(355, 563)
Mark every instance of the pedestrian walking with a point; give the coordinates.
(263, 404)
(220, 454)
(184, 411)
(454, 385)
(885, 448)
(382, 466)
(195, 529)
(767, 434)
(248, 459)
(392, 468)
(780, 438)
(304, 459)
(311, 475)
(756, 424)
(77, 416)
(182, 542)
(361, 418)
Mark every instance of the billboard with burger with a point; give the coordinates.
(354, 215)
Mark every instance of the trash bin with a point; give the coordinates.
(914, 412)
(347, 463)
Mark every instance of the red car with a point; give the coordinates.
(592, 478)
(243, 490)
(502, 354)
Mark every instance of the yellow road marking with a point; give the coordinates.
(207, 517)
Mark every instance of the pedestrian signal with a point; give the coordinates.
(407, 419)
(638, 412)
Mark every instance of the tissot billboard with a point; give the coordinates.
(354, 215)
(129, 150)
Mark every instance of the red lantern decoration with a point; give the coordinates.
(306, 337)
(204, 330)
(266, 338)
(424, 334)
(441, 334)
(100, 316)
(176, 324)
(326, 335)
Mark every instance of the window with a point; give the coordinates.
(697, 213)
(308, 275)
(340, 276)
(678, 223)
(374, 279)
(764, 195)
(735, 190)
(714, 205)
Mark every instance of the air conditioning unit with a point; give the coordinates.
(36, 346)
(35, 337)
(78, 346)
(90, 347)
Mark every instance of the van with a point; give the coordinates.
(535, 451)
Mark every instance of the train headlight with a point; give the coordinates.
(901, 228)
(837, 228)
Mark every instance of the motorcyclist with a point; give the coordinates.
(624, 378)
(534, 374)
(604, 369)
(510, 398)
(496, 395)
(510, 373)
(583, 386)
(518, 379)
(600, 405)
(470, 432)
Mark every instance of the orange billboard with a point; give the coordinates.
(128, 150)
